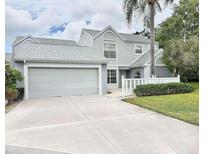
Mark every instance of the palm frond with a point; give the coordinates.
(158, 6)
(131, 6)
(128, 8)
(168, 2)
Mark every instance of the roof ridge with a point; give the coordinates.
(48, 38)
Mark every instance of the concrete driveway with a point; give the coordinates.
(97, 125)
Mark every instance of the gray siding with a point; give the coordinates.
(98, 45)
(162, 71)
(125, 50)
(134, 70)
(85, 40)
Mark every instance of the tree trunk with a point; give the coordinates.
(152, 37)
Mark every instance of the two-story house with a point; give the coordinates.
(53, 67)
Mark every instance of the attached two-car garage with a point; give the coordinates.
(51, 81)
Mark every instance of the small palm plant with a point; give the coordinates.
(148, 8)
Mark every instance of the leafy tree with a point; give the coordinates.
(144, 33)
(132, 7)
(183, 24)
(182, 57)
(12, 76)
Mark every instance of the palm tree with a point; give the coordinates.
(140, 7)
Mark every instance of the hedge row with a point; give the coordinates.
(162, 89)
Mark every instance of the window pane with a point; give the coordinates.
(138, 50)
(113, 73)
(113, 79)
(108, 73)
(110, 54)
(108, 80)
(111, 76)
(109, 49)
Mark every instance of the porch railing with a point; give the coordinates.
(129, 84)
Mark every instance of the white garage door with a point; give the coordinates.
(46, 82)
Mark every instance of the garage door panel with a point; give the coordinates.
(45, 82)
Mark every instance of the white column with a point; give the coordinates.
(178, 76)
(26, 94)
(100, 79)
(123, 86)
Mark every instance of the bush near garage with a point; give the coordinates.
(12, 78)
(162, 89)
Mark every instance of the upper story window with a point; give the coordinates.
(138, 48)
(109, 45)
(109, 49)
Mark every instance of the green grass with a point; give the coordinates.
(180, 106)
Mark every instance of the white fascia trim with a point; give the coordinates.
(89, 36)
(154, 56)
(26, 37)
(155, 65)
(136, 59)
(63, 65)
(50, 65)
(157, 57)
(106, 28)
(26, 81)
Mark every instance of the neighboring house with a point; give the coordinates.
(53, 67)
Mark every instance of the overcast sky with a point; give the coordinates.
(65, 18)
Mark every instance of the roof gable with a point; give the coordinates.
(107, 28)
(20, 39)
(51, 41)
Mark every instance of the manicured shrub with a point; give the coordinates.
(162, 89)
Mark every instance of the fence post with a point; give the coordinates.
(178, 78)
(153, 79)
(123, 86)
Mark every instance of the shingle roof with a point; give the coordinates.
(49, 41)
(144, 58)
(39, 51)
(92, 32)
(125, 36)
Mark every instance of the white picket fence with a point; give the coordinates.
(129, 84)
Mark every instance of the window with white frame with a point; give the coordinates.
(109, 49)
(111, 76)
(138, 48)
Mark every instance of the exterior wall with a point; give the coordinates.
(85, 40)
(125, 50)
(98, 45)
(162, 71)
(133, 72)
(104, 78)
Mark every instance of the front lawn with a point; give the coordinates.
(180, 106)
